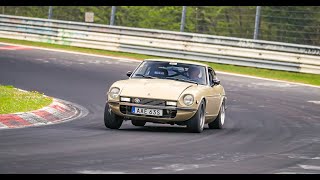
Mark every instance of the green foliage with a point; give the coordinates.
(154, 17)
(292, 24)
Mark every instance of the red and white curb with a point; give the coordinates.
(58, 111)
(12, 48)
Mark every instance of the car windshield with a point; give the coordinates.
(172, 70)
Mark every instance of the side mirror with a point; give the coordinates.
(215, 82)
(129, 73)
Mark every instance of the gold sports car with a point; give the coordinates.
(169, 92)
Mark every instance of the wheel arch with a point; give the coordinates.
(203, 98)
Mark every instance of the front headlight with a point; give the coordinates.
(188, 99)
(114, 92)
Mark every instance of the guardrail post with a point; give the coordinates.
(183, 18)
(257, 23)
(113, 13)
(50, 12)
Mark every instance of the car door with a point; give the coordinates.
(214, 95)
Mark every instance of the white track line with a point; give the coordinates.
(254, 77)
(100, 172)
(73, 52)
(128, 59)
(315, 102)
(310, 167)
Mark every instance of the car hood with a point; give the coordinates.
(152, 88)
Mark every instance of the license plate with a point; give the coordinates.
(146, 111)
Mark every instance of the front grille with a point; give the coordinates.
(146, 101)
(166, 113)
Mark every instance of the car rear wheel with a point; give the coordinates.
(138, 123)
(196, 123)
(111, 120)
(219, 121)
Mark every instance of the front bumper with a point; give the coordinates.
(171, 114)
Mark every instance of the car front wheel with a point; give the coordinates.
(111, 120)
(196, 123)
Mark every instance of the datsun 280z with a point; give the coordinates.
(170, 92)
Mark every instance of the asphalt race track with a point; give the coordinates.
(271, 127)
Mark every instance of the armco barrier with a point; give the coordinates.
(225, 50)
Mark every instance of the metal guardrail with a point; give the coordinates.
(225, 50)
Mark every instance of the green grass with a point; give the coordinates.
(313, 79)
(13, 100)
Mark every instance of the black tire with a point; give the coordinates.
(196, 124)
(111, 120)
(220, 120)
(138, 123)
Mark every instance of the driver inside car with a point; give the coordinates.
(194, 73)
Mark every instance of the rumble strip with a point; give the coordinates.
(58, 111)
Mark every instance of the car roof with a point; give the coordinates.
(178, 61)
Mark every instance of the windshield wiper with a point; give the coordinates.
(145, 76)
(185, 80)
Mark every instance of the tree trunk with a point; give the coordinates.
(228, 23)
(197, 20)
(240, 22)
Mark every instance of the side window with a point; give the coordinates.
(147, 71)
(214, 74)
(211, 77)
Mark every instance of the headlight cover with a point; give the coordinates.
(171, 103)
(188, 99)
(125, 99)
(114, 92)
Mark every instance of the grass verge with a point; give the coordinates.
(12, 100)
(313, 79)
